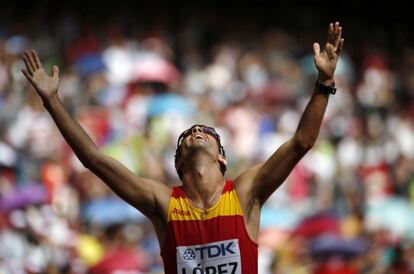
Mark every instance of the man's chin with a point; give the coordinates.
(199, 146)
(198, 142)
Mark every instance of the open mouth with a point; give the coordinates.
(199, 137)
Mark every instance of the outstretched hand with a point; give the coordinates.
(327, 58)
(44, 85)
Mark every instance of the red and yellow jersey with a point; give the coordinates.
(210, 241)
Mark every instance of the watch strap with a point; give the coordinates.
(324, 88)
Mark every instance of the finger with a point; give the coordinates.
(336, 27)
(26, 56)
(28, 65)
(36, 59)
(340, 45)
(329, 51)
(31, 61)
(335, 32)
(55, 71)
(338, 37)
(28, 76)
(316, 49)
(331, 35)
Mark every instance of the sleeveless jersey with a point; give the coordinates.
(210, 241)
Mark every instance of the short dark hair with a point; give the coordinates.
(177, 156)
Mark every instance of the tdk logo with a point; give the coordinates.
(212, 258)
(209, 251)
(189, 254)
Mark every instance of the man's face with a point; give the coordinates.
(199, 136)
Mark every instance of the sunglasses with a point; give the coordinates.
(209, 130)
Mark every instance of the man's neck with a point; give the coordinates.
(203, 184)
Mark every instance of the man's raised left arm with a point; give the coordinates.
(258, 183)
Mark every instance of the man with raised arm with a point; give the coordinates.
(208, 224)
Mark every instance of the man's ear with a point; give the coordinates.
(222, 160)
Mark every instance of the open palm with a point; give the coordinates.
(44, 85)
(326, 59)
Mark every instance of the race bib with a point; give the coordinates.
(212, 258)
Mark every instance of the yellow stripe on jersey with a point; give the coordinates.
(181, 210)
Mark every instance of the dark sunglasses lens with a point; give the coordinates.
(205, 129)
(211, 131)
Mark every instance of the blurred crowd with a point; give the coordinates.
(347, 208)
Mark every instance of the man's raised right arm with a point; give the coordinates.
(149, 196)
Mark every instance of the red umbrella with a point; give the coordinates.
(318, 224)
(121, 259)
(337, 267)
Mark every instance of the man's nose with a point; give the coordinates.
(197, 129)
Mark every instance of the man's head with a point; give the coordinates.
(204, 134)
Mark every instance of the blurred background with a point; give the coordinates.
(136, 74)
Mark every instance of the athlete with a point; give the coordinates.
(208, 224)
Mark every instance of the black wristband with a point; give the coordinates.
(326, 89)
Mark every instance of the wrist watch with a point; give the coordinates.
(324, 88)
